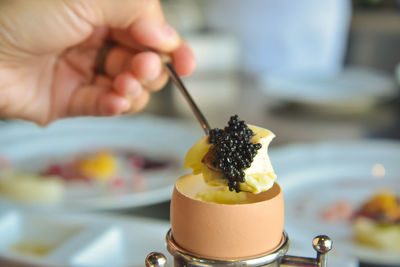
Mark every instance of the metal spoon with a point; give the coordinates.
(178, 82)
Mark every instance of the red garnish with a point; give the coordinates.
(137, 162)
(117, 182)
(53, 170)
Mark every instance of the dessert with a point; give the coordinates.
(235, 157)
(377, 223)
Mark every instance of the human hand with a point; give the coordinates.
(48, 50)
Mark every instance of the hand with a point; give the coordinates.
(48, 50)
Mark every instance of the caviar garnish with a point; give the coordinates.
(233, 151)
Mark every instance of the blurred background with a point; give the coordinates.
(321, 70)
(324, 76)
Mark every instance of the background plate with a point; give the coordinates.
(25, 143)
(316, 176)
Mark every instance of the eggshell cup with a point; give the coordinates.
(224, 231)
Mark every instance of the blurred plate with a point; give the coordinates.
(317, 176)
(78, 239)
(355, 89)
(26, 144)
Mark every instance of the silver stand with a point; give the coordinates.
(322, 245)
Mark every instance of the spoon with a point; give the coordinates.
(178, 82)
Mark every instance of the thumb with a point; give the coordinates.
(157, 35)
(143, 19)
(151, 30)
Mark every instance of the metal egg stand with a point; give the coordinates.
(322, 245)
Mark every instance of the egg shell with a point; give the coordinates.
(225, 231)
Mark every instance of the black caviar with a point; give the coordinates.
(233, 151)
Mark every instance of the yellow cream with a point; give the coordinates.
(259, 177)
(223, 196)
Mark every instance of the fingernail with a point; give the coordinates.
(126, 106)
(152, 69)
(135, 91)
(152, 76)
(169, 32)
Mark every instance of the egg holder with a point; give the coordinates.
(322, 245)
(199, 235)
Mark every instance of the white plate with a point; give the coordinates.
(78, 240)
(316, 176)
(24, 143)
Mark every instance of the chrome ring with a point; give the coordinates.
(190, 259)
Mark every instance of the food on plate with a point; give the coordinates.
(29, 187)
(80, 175)
(377, 222)
(32, 248)
(104, 165)
(146, 163)
(97, 166)
(235, 157)
(341, 210)
(100, 166)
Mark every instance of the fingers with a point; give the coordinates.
(182, 56)
(160, 37)
(118, 60)
(127, 96)
(132, 75)
(124, 38)
(112, 103)
(97, 38)
(184, 60)
(100, 99)
(151, 30)
(147, 73)
(138, 103)
(149, 70)
(127, 85)
(97, 100)
(143, 19)
(145, 67)
(157, 84)
(145, 29)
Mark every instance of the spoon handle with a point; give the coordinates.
(178, 82)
